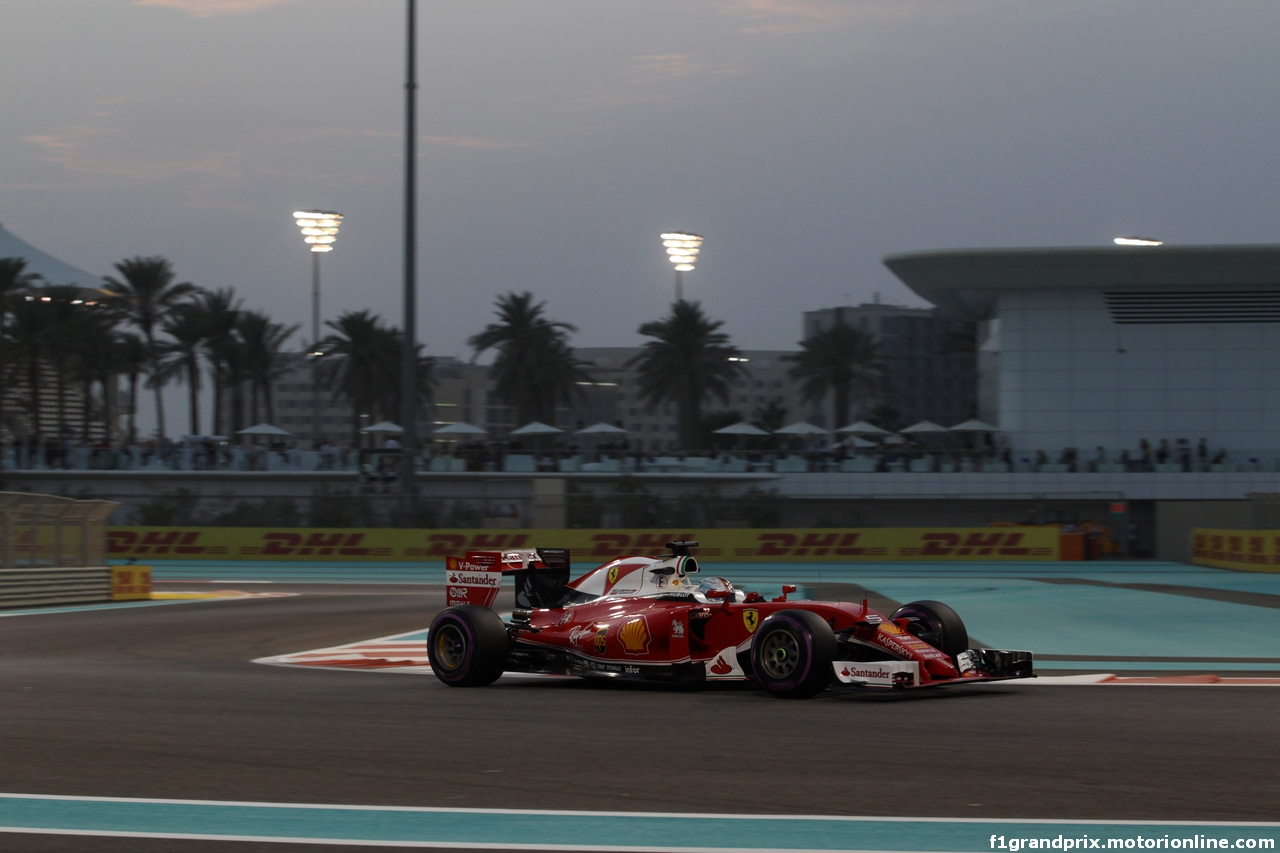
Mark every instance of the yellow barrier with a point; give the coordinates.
(745, 546)
(1245, 550)
(130, 583)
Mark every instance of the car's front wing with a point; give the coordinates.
(975, 665)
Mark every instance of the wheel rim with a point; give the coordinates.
(925, 628)
(780, 655)
(450, 646)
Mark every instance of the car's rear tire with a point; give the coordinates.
(936, 624)
(467, 646)
(791, 654)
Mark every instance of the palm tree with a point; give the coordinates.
(535, 368)
(131, 360)
(96, 350)
(361, 363)
(423, 375)
(187, 326)
(839, 359)
(150, 294)
(13, 280)
(687, 361)
(264, 343)
(30, 335)
(220, 310)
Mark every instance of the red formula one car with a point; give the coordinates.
(650, 618)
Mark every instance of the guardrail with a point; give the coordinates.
(44, 586)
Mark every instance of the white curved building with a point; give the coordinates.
(1106, 347)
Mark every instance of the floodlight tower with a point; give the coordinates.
(682, 250)
(319, 232)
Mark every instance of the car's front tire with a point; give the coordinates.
(791, 654)
(936, 624)
(467, 646)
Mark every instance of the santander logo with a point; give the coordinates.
(477, 580)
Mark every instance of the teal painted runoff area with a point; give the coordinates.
(496, 829)
(1053, 609)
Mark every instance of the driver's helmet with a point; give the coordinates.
(712, 584)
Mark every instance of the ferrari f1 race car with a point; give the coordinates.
(650, 618)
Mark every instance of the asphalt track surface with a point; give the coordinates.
(163, 702)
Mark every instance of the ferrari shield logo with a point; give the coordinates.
(751, 619)
(613, 575)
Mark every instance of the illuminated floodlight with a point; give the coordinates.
(319, 228)
(682, 249)
(1138, 241)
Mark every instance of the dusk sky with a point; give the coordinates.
(558, 138)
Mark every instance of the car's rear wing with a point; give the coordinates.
(540, 573)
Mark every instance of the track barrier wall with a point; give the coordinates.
(53, 550)
(1244, 550)
(755, 545)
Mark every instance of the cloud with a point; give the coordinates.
(471, 142)
(214, 8)
(785, 17)
(668, 66)
(88, 147)
(647, 75)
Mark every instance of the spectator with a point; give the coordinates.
(1184, 453)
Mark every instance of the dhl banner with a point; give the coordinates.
(1246, 550)
(752, 546)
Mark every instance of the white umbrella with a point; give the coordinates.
(974, 425)
(802, 428)
(602, 428)
(923, 427)
(536, 428)
(263, 429)
(459, 428)
(740, 428)
(859, 442)
(384, 426)
(863, 428)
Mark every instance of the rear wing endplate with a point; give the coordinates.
(541, 574)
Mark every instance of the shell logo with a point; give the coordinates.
(635, 636)
(890, 628)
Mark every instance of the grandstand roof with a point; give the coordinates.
(50, 269)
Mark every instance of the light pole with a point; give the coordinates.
(682, 250)
(320, 232)
(409, 355)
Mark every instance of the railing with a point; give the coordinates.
(489, 458)
(52, 531)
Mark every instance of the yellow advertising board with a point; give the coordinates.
(1246, 550)
(130, 583)
(876, 544)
